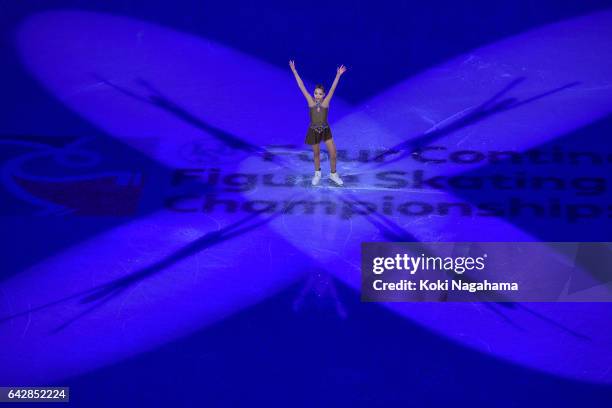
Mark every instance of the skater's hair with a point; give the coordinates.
(321, 87)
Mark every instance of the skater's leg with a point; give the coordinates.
(331, 148)
(316, 149)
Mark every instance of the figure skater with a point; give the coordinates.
(318, 129)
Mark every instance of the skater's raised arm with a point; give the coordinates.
(301, 84)
(341, 70)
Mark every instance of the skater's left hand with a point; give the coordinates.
(341, 70)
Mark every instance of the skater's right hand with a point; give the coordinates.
(292, 64)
